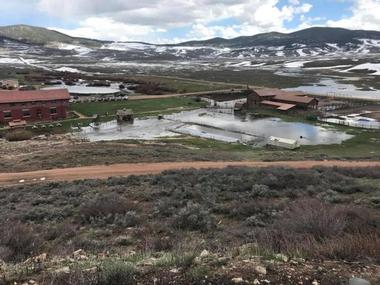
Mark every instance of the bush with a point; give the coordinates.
(18, 135)
(18, 241)
(313, 217)
(75, 277)
(263, 191)
(109, 209)
(194, 217)
(117, 273)
(316, 229)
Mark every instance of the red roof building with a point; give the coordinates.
(267, 97)
(36, 105)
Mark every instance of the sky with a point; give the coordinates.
(171, 21)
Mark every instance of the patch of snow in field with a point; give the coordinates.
(7, 60)
(370, 42)
(247, 64)
(68, 69)
(81, 50)
(334, 46)
(295, 64)
(280, 53)
(299, 45)
(125, 46)
(367, 66)
(329, 67)
(300, 52)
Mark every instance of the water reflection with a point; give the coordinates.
(219, 126)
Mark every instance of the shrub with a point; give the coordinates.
(109, 209)
(263, 191)
(18, 241)
(194, 217)
(117, 273)
(18, 135)
(316, 229)
(313, 217)
(75, 277)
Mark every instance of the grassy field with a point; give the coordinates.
(138, 106)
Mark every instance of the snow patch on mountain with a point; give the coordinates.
(81, 50)
(295, 64)
(374, 67)
(68, 69)
(8, 60)
(125, 46)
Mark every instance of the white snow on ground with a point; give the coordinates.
(367, 66)
(125, 46)
(79, 49)
(247, 64)
(300, 52)
(370, 42)
(280, 53)
(68, 69)
(20, 60)
(329, 67)
(7, 60)
(334, 46)
(295, 64)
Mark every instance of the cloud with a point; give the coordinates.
(109, 29)
(141, 20)
(365, 16)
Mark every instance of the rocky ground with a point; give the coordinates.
(205, 268)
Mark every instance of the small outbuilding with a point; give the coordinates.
(283, 143)
(124, 115)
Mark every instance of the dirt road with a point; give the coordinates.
(105, 171)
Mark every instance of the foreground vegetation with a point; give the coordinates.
(229, 226)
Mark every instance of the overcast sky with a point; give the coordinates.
(161, 21)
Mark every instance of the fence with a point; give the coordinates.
(355, 124)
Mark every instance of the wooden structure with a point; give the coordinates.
(17, 124)
(124, 115)
(280, 99)
(36, 105)
(283, 143)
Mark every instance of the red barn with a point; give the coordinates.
(36, 105)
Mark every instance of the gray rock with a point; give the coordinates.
(260, 270)
(358, 281)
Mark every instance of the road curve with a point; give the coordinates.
(105, 171)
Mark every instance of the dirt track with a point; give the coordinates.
(105, 171)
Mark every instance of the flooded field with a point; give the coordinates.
(218, 126)
(331, 88)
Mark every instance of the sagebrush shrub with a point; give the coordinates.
(194, 217)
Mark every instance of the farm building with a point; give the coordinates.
(37, 105)
(280, 99)
(283, 143)
(124, 115)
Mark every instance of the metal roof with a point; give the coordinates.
(280, 106)
(271, 92)
(17, 96)
(295, 99)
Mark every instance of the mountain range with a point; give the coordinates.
(308, 42)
